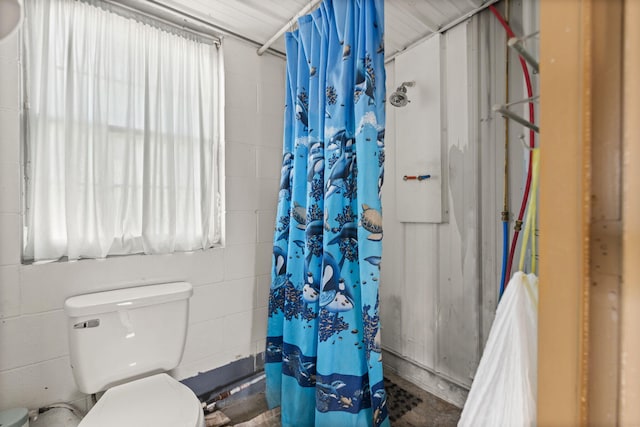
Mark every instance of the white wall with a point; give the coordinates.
(440, 282)
(430, 275)
(228, 309)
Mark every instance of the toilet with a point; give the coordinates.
(122, 342)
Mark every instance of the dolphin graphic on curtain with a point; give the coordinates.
(323, 356)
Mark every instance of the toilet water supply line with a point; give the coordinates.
(35, 413)
(210, 405)
(525, 197)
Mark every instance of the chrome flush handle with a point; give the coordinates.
(93, 323)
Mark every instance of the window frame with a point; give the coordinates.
(157, 17)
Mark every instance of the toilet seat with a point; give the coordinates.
(158, 401)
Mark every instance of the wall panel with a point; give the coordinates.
(445, 277)
(458, 296)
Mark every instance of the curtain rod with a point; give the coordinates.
(314, 3)
(130, 8)
(195, 21)
(293, 21)
(441, 30)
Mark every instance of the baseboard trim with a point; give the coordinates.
(205, 383)
(219, 379)
(425, 379)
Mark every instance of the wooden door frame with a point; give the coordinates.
(565, 105)
(588, 371)
(629, 396)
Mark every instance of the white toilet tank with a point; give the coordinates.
(120, 335)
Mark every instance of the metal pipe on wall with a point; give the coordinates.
(516, 43)
(504, 215)
(513, 116)
(440, 30)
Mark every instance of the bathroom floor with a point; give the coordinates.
(409, 406)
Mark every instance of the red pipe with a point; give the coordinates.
(527, 187)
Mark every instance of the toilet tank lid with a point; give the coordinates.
(126, 299)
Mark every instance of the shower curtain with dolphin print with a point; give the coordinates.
(323, 356)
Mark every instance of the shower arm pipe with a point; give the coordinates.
(290, 24)
(525, 197)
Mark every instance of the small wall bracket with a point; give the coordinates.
(516, 118)
(516, 44)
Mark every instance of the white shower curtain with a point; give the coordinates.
(124, 124)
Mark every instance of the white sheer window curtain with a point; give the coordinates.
(124, 129)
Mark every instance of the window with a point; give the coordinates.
(123, 134)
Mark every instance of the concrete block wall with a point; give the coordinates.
(228, 309)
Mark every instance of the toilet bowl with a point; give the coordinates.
(122, 342)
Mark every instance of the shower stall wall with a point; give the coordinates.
(440, 280)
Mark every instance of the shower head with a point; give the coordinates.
(399, 98)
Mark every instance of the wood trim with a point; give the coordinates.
(605, 250)
(580, 217)
(587, 42)
(565, 104)
(629, 409)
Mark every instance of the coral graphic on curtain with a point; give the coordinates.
(323, 356)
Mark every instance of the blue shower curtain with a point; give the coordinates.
(323, 356)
